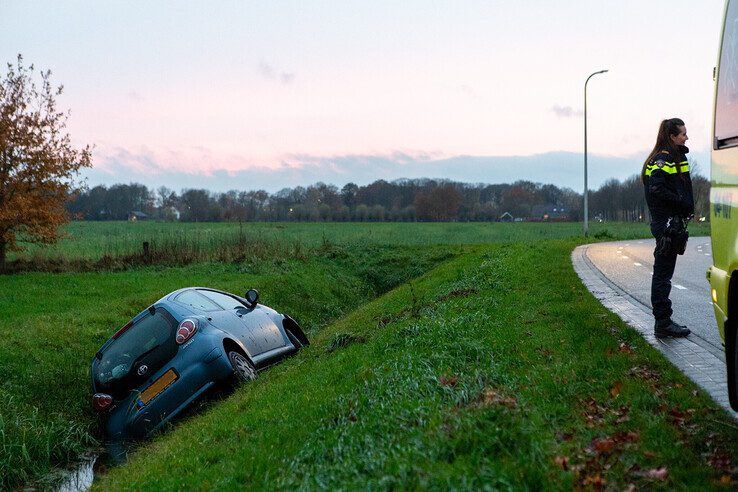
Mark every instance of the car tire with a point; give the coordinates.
(243, 369)
(731, 363)
(295, 341)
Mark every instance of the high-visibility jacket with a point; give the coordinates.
(668, 185)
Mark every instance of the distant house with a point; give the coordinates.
(136, 216)
(506, 217)
(549, 213)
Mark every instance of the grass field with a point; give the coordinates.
(493, 367)
(93, 240)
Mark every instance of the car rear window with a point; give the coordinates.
(148, 333)
(224, 300)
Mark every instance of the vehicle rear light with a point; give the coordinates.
(186, 329)
(101, 401)
(125, 327)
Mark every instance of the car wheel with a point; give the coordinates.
(243, 369)
(297, 343)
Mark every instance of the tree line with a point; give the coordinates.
(399, 200)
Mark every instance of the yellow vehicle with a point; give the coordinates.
(724, 196)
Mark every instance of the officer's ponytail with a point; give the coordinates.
(667, 128)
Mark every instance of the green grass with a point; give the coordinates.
(482, 371)
(53, 324)
(494, 370)
(94, 240)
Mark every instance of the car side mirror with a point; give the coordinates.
(252, 295)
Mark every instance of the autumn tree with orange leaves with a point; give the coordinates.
(38, 163)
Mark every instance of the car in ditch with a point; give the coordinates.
(179, 348)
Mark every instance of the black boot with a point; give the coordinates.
(670, 329)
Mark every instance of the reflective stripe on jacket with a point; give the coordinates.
(668, 186)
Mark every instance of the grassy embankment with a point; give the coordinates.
(52, 324)
(495, 369)
(477, 372)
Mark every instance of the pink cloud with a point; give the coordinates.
(199, 160)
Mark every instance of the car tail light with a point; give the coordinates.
(101, 401)
(186, 329)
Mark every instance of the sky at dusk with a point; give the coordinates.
(244, 95)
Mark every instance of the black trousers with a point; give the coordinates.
(663, 270)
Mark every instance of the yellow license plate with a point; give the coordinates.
(158, 386)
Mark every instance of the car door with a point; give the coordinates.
(255, 327)
(264, 329)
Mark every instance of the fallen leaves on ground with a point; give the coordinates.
(601, 454)
(451, 381)
(593, 412)
(677, 416)
(565, 436)
(596, 482)
(563, 462)
(657, 473)
(603, 445)
(615, 389)
(643, 372)
(622, 414)
(720, 460)
(624, 348)
(490, 397)
(608, 444)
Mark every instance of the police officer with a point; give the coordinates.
(668, 190)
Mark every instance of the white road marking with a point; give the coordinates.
(626, 257)
(707, 254)
(637, 264)
(680, 287)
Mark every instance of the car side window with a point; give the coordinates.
(224, 300)
(195, 300)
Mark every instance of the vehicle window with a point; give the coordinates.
(225, 301)
(193, 299)
(148, 333)
(726, 109)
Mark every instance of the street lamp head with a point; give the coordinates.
(603, 71)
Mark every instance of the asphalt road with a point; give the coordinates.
(629, 265)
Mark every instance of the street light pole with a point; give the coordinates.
(586, 207)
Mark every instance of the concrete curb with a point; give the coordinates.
(699, 361)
